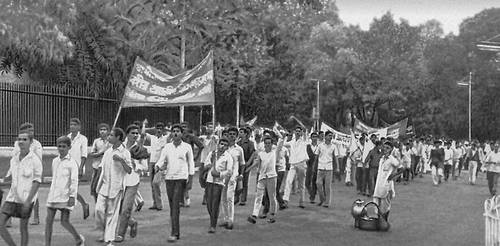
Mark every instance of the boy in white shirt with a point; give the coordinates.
(26, 172)
(327, 159)
(266, 162)
(448, 160)
(78, 152)
(99, 146)
(63, 190)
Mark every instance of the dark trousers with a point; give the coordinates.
(406, 174)
(372, 180)
(366, 179)
(93, 183)
(241, 195)
(414, 166)
(311, 174)
(460, 165)
(175, 193)
(492, 178)
(213, 192)
(447, 169)
(359, 179)
(279, 197)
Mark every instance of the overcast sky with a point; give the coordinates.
(449, 12)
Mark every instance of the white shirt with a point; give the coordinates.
(24, 172)
(180, 163)
(210, 144)
(281, 166)
(342, 150)
(223, 165)
(267, 164)
(406, 157)
(495, 158)
(78, 147)
(386, 167)
(98, 146)
(112, 175)
(157, 144)
(238, 159)
(369, 145)
(35, 147)
(326, 154)
(298, 150)
(64, 180)
(448, 156)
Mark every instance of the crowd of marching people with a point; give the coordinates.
(285, 162)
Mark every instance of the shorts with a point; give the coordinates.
(14, 209)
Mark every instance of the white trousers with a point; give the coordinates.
(299, 170)
(436, 174)
(472, 172)
(270, 184)
(348, 171)
(228, 201)
(107, 212)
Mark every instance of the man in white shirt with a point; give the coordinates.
(448, 160)
(116, 163)
(26, 172)
(177, 160)
(139, 157)
(493, 168)
(229, 190)
(99, 146)
(158, 142)
(298, 166)
(326, 161)
(219, 165)
(37, 149)
(78, 152)
(266, 162)
(384, 188)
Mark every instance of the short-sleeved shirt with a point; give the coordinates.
(99, 146)
(387, 165)
(326, 154)
(238, 158)
(35, 147)
(79, 146)
(24, 172)
(267, 167)
(495, 158)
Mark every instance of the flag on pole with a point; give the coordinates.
(252, 121)
(149, 87)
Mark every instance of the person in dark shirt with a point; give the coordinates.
(372, 160)
(248, 147)
(192, 140)
(312, 166)
(437, 162)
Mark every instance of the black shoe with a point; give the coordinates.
(262, 216)
(252, 219)
(139, 206)
(302, 206)
(223, 224)
(320, 203)
(243, 203)
(229, 226)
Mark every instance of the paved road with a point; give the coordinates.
(422, 215)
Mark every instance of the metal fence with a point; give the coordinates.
(49, 108)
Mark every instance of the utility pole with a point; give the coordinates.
(470, 106)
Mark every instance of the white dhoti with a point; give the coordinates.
(107, 212)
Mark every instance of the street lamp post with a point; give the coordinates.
(469, 84)
(316, 113)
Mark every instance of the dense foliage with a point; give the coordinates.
(272, 52)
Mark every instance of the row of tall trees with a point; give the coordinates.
(271, 52)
